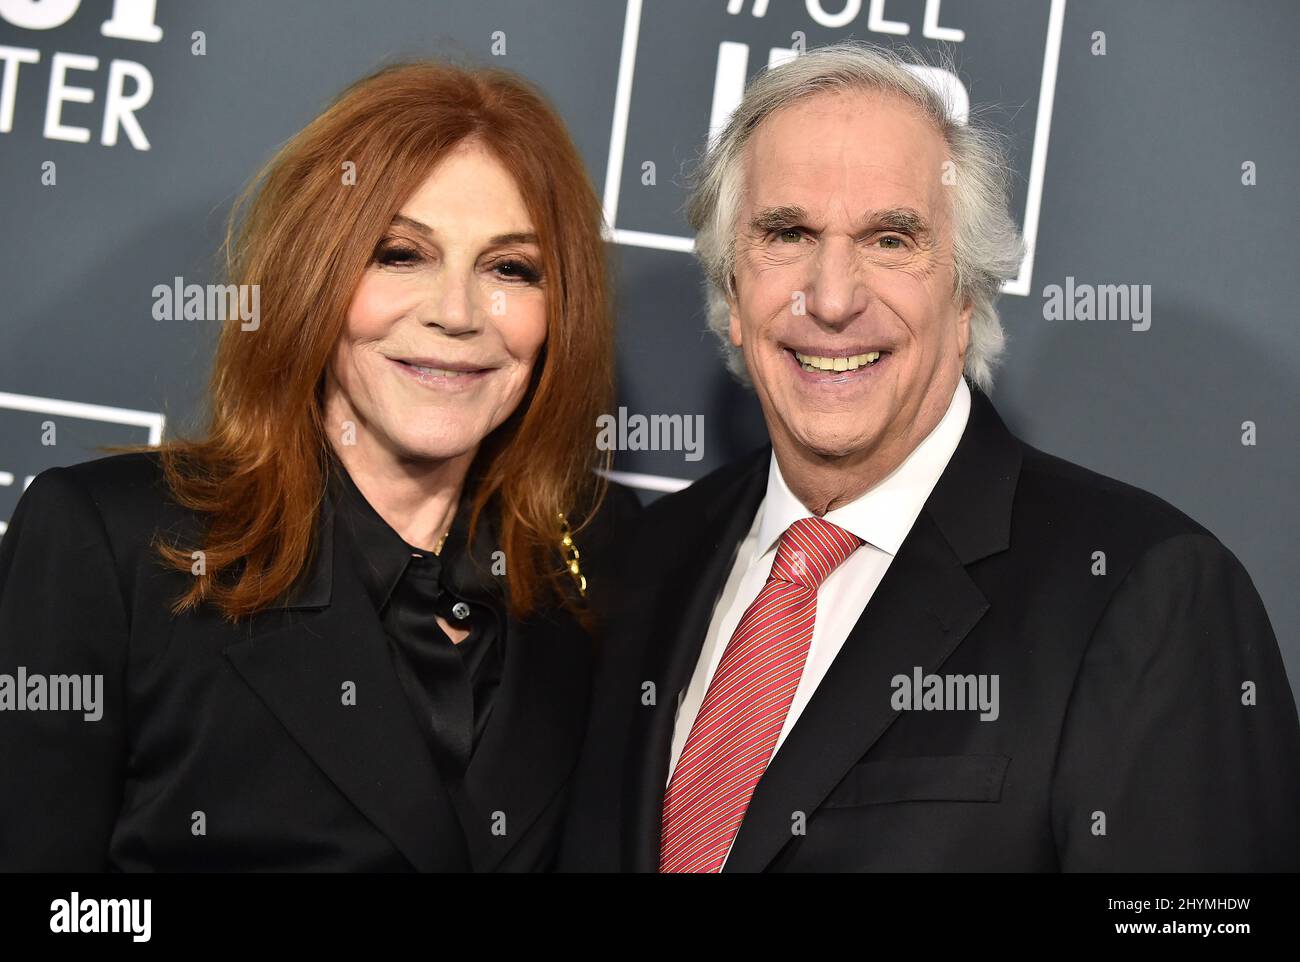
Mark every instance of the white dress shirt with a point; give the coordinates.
(881, 517)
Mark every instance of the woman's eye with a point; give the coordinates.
(398, 256)
(517, 270)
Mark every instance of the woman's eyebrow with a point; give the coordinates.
(519, 237)
(514, 237)
(401, 220)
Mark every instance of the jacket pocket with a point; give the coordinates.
(932, 778)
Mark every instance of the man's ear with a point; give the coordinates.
(963, 329)
(733, 302)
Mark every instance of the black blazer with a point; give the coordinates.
(1120, 693)
(246, 725)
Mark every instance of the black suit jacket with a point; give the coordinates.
(1122, 742)
(247, 725)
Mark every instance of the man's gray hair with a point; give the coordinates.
(987, 247)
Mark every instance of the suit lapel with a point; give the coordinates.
(922, 610)
(531, 743)
(683, 610)
(372, 750)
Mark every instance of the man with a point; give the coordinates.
(899, 638)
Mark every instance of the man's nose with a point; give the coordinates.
(837, 292)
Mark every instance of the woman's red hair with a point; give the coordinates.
(305, 237)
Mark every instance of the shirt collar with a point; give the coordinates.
(382, 555)
(883, 515)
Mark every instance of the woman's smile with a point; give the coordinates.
(441, 375)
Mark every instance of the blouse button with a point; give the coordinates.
(460, 611)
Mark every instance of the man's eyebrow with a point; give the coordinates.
(905, 220)
(500, 240)
(770, 219)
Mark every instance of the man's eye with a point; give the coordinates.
(891, 242)
(790, 235)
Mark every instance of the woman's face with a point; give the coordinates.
(447, 320)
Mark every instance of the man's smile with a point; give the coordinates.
(839, 368)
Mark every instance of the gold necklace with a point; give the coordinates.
(437, 548)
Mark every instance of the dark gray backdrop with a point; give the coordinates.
(1138, 182)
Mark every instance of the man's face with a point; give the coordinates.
(844, 252)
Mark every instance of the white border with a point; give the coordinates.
(152, 420)
(648, 482)
(1038, 162)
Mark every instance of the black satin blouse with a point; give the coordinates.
(451, 687)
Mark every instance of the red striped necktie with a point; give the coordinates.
(744, 710)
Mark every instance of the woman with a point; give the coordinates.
(348, 628)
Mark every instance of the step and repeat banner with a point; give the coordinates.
(1152, 329)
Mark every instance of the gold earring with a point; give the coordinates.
(569, 552)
